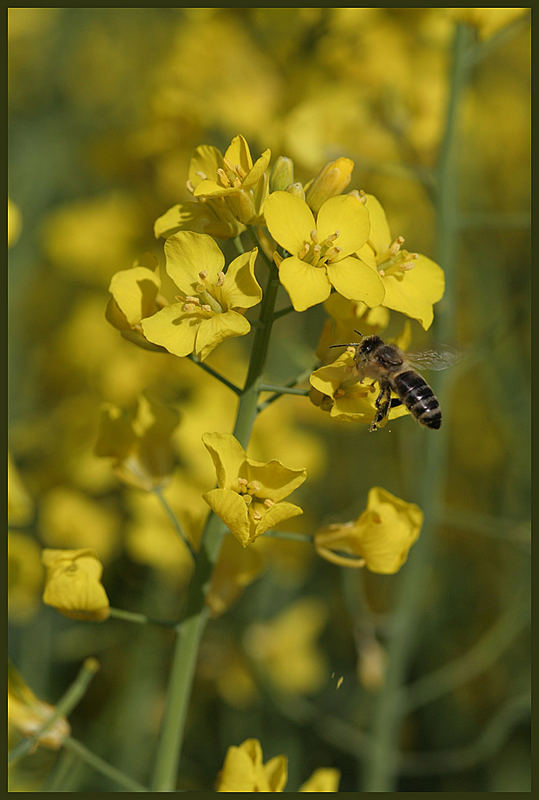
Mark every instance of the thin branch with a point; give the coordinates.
(283, 312)
(272, 387)
(289, 384)
(214, 373)
(141, 619)
(174, 519)
(95, 761)
(293, 536)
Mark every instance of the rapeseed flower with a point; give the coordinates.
(244, 771)
(379, 539)
(135, 295)
(332, 180)
(73, 585)
(412, 282)
(28, 714)
(210, 303)
(337, 389)
(321, 252)
(250, 496)
(229, 192)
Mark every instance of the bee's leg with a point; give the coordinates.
(395, 401)
(383, 403)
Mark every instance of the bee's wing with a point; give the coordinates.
(436, 359)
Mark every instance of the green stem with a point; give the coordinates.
(174, 519)
(141, 619)
(296, 537)
(190, 630)
(214, 373)
(271, 387)
(283, 312)
(64, 707)
(380, 769)
(95, 761)
(238, 244)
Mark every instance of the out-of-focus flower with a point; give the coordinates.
(73, 584)
(150, 536)
(321, 252)
(243, 770)
(135, 295)
(324, 779)
(68, 518)
(286, 648)
(211, 303)
(412, 282)
(25, 576)
(86, 237)
(27, 714)
(330, 181)
(250, 494)
(336, 389)
(379, 539)
(223, 663)
(371, 662)
(347, 316)
(14, 222)
(140, 442)
(230, 191)
(236, 568)
(19, 503)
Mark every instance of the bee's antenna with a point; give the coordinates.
(361, 334)
(346, 344)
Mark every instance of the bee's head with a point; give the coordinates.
(369, 345)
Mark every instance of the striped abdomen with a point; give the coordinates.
(418, 398)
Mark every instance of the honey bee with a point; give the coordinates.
(394, 371)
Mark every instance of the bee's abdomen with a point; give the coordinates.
(418, 398)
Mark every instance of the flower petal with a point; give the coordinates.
(189, 253)
(414, 292)
(305, 284)
(258, 169)
(241, 289)
(356, 281)
(172, 328)
(231, 508)
(204, 163)
(379, 235)
(276, 481)
(289, 220)
(134, 291)
(325, 779)
(276, 771)
(216, 329)
(238, 153)
(228, 457)
(277, 513)
(348, 215)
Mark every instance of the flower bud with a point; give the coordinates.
(330, 181)
(282, 174)
(297, 190)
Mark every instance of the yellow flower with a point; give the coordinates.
(379, 539)
(286, 648)
(236, 568)
(325, 779)
(73, 586)
(135, 295)
(330, 181)
(321, 252)
(210, 304)
(28, 714)
(139, 442)
(250, 494)
(336, 389)
(412, 282)
(230, 191)
(243, 770)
